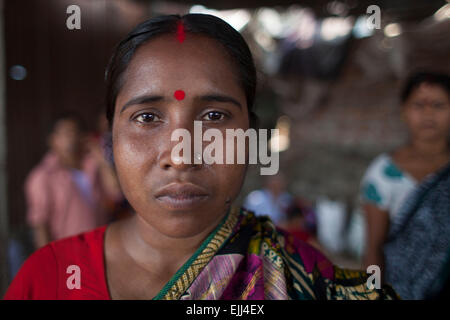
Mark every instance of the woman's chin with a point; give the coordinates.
(186, 228)
(186, 222)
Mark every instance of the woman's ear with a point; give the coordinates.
(108, 149)
(403, 110)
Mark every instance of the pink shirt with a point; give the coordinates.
(55, 199)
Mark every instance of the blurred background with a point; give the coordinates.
(327, 80)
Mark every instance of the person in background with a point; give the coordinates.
(405, 193)
(273, 200)
(67, 191)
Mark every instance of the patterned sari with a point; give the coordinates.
(248, 258)
(417, 253)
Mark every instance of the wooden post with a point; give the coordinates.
(3, 192)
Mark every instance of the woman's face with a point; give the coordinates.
(427, 112)
(179, 200)
(66, 138)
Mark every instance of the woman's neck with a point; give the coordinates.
(429, 149)
(155, 251)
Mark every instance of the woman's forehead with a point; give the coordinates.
(196, 56)
(194, 64)
(429, 90)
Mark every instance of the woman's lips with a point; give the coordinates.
(428, 125)
(181, 196)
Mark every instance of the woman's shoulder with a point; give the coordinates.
(265, 231)
(379, 162)
(311, 258)
(326, 280)
(70, 268)
(88, 243)
(32, 280)
(313, 271)
(383, 169)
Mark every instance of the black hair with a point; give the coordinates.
(204, 24)
(418, 78)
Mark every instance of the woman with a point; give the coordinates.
(406, 193)
(185, 241)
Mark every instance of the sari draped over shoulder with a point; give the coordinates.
(248, 258)
(417, 253)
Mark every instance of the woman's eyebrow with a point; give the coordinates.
(207, 97)
(140, 100)
(220, 98)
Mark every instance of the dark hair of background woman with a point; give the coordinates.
(208, 25)
(416, 79)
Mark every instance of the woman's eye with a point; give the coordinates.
(214, 116)
(146, 118)
(438, 105)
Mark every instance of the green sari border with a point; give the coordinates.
(228, 218)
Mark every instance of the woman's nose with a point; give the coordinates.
(178, 150)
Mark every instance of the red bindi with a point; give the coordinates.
(179, 94)
(180, 32)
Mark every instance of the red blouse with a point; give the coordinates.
(54, 271)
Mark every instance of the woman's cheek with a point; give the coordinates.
(232, 178)
(131, 155)
(413, 119)
(444, 116)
